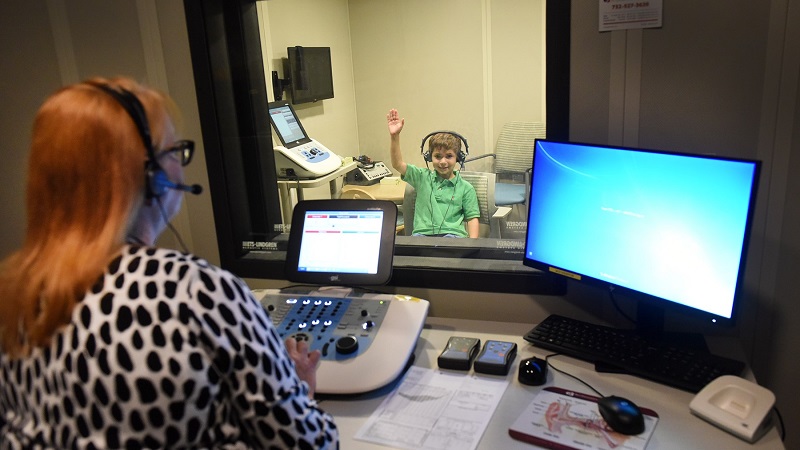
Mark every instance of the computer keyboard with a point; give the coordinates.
(631, 353)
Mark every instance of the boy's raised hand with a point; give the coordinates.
(395, 122)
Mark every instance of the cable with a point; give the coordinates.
(616, 306)
(131, 239)
(430, 198)
(780, 421)
(430, 202)
(171, 228)
(547, 360)
(444, 217)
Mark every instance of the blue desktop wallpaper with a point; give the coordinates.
(668, 225)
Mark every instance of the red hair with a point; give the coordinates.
(85, 183)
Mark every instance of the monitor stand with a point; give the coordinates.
(650, 324)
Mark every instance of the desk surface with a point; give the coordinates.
(677, 427)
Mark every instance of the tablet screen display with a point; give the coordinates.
(342, 242)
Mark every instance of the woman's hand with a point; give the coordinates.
(305, 362)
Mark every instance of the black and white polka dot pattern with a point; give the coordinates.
(165, 351)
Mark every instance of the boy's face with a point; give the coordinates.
(444, 162)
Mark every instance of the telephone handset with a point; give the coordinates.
(367, 171)
(364, 161)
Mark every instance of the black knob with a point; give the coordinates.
(364, 313)
(346, 345)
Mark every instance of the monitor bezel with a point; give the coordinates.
(652, 306)
(288, 144)
(385, 253)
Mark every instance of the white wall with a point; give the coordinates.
(316, 23)
(467, 66)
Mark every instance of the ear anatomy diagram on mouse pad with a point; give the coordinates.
(562, 419)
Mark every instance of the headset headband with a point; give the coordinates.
(134, 107)
(156, 182)
(462, 154)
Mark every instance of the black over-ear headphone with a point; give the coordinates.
(156, 181)
(462, 154)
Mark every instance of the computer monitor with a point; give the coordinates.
(669, 228)
(342, 242)
(311, 73)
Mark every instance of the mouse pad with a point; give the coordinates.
(562, 419)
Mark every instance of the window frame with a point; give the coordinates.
(232, 100)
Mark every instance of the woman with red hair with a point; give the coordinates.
(107, 341)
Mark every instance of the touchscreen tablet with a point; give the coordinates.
(342, 242)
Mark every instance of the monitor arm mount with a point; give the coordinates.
(278, 85)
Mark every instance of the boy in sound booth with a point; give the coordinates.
(446, 204)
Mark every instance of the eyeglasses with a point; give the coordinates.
(182, 152)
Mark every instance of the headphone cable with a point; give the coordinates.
(444, 217)
(171, 227)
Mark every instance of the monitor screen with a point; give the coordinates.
(671, 226)
(342, 242)
(311, 73)
(286, 124)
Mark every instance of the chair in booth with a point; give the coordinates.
(407, 209)
(492, 216)
(357, 193)
(513, 158)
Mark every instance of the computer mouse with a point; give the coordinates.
(621, 414)
(533, 371)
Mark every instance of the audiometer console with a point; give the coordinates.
(299, 156)
(310, 160)
(366, 340)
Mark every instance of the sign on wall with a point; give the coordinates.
(627, 14)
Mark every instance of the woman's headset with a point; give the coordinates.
(156, 182)
(462, 154)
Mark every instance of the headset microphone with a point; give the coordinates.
(195, 189)
(160, 183)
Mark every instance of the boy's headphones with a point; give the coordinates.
(156, 181)
(461, 158)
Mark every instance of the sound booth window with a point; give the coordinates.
(233, 102)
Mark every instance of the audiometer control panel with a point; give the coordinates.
(339, 328)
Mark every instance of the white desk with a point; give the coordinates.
(677, 428)
(285, 185)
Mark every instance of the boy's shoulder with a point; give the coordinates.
(414, 173)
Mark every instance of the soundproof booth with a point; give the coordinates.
(657, 240)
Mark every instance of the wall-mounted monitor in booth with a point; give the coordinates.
(309, 75)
